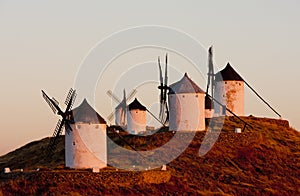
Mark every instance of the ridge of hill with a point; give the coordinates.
(262, 160)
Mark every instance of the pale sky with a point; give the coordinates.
(43, 43)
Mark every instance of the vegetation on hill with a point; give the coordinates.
(263, 160)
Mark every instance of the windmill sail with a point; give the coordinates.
(53, 103)
(210, 80)
(54, 139)
(71, 101)
(161, 90)
(69, 96)
(163, 110)
(166, 117)
(131, 94)
(110, 116)
(50, 102)
(116, 99)
(166, 79)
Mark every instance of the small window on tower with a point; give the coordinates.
(183, 96)
(225, 82)
(97, 126)
(73, 143)
(196, 95)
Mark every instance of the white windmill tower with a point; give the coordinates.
(186, 106)
(120, 112)
(86, 142)
(229, 91)
(136, 117)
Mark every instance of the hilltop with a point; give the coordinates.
(262, 160)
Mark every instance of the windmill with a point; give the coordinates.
(211, 82)
(163, 111)
(53, 103)
(122, 107)
(229, 75)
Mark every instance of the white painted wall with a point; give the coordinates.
(136, 121)
(231, 94)
(86, 146)
(186, 112)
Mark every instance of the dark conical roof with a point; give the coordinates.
(208, 103)
(86, 114)
(228, 73)
(185, 85)
(136, 105)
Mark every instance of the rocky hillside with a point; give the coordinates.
(263, 160)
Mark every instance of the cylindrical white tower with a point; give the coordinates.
(85, 144)
(229, 90)
(136, 117)
(121, 112)
(120, 115)
(186, 106)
